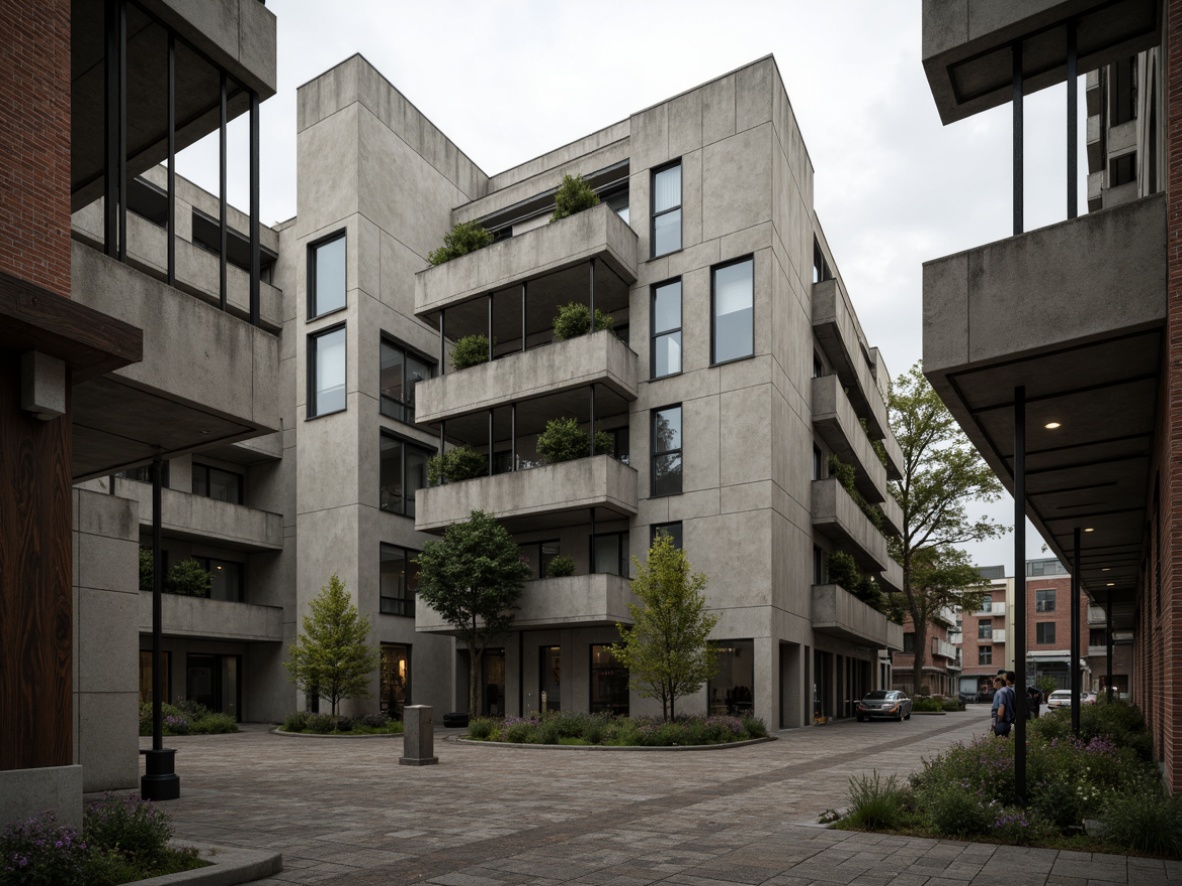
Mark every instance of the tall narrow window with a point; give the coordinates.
(226, 579)
(733, 296)
(985, 629)
(403, 470)
(666, 232)
(666, 451)
(326, 275)
(666, 314)
(1044, 632)
(611, 553)
(401, 371)
(1044, 600)
(399, 576)
(673, 530)
(217, 484)
(326, 372)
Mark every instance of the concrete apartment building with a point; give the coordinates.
(1067, 383)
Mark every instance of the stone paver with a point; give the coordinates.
(346, 812)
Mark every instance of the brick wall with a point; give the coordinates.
(35, 137)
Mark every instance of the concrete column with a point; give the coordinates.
(418, 739)
(767, 681)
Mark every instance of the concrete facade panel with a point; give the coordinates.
(736, 182)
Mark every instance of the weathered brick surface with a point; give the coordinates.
(35, 142)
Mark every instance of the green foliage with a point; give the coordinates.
(875, 803)
(1143, 817)
(843, 571)
(322, 724)
(574, 319)
(465, 237)
(146, 569)
(953, 811)
(573, 195)
(926, 704)
(560, 566)
(473, 578)
(455, 465)
(471, 350)
(331, 658)
(186, 718)
(666, 649)
(188, 579)
(571, 728)
(1117, 721)
(564, 440)
(847, 477)
(1046, 685)
(480, 728)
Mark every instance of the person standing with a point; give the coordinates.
(1003, 707)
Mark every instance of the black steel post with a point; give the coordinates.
(490, 327)
(160, 781)
(591, 567)
(523, 289)
(521, 672)
(513, 436)
(1108, 644)
(1020, 595)
(111, 116)
(256, 258)
(1075, 675)
(1072, 125)
(591, 294)
(442, 352)
(222, 196)
(1018, 161)
(591, 431)
(490, 442)
(122, 179)
(171, 159)
(442, 443)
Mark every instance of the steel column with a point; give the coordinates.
(490, 327)
(442, 351)
(122, 131)
(160, 781)
(1072, 126)
(1075, 676)
(490, 442)
(1018, 162)
(222, 115)
(591, 426)
(523, 288)
(513, 436)
(1108, 644)
(591, 294)
(111, 117)
(1020, 595)
(591, 567)
(171, 159)
(256, 259)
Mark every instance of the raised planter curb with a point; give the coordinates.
(929, 713)
(278, 731)
(600, 747)
(227, 866)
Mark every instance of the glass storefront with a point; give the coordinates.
(609, 682)
(395, 679)
(731, 691)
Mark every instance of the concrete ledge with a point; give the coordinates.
(29, 792)
(227, 866)
(599, 747)
(278, 731)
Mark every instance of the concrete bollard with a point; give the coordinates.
(418, 736)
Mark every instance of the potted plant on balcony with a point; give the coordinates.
(465, 237)
(846, 476)
(843, 571)
(573, 195)
(564, 440)
(560, 567)
(574, 319)
(461, 463)
(470, 350)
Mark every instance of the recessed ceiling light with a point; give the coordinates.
(1106, 569)
(1089, 529)
(1051, 425)
(1112, 584)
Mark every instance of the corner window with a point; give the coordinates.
(217, 484)
(399, 576)
(666, 199)
(326, 372)
(673, 530)
(1044, 632)
(666, 451)
(732, 296)
(666, 319)
(403, 470)
(401, 371)
(395, 696)
(1044, 601)
(326, 275)
(611, 553)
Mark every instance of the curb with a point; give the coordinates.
(278, 731)
(227, 867)
(599, 747)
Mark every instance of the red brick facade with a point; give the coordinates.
(35, 142)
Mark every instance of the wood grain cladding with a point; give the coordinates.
(36, 595)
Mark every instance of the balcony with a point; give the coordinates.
(195, 517)
(838, 613)
(551, 495)
(597, 233)
(600, 359)
(213, 619)
(997, 609)
(572, 601)
(998, 637)
(837, 423)
(837, 515)
(892, 576)
(943, 649)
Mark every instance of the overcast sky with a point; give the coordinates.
(508, 80)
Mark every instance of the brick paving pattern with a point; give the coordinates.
(345, 811)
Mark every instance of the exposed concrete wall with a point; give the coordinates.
(238, 35)
(214, 522)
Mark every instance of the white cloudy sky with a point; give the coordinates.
(510, 79)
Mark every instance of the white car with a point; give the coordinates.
(1061, 698)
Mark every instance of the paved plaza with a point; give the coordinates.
(344, 811)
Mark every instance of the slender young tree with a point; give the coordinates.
(473, 578)
(331, 658)
(666, 649)
(942, 472)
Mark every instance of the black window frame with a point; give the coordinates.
(203, 468)
(208, 564)
(542, 563)
(985, 629)
(1044, 633)
(654, 335)
(714, 269)
(909, 642)
(400, 410)
(1043, 602)
(985, 655)
(623, 552)
(407, 492)
(676, 534)
(654, 215)
(402, 605)
(655, 454)
(313, 313)
(311, 411)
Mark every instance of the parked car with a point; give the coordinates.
(1061, 698)
(890, 704)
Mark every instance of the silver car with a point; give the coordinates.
(889, 704)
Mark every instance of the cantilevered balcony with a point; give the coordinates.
(600, 358)
(838, 516)
(551, 495)
(572, 601)
(213, 619)
(202, 519)
(839, 613)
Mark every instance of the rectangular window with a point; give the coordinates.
(987, 603)
(909, 642)
(395, 679)
(985, 629)
(818, 464)
(617, 200)
(666, 230)
(403, 470)
(1044, 632)
(985, 655)
(818, 566)
(550, 677)
(620, 443)
(1044, 601)
(538, 554)
(666, 317)
(609, 682)
(666, 451)
(326, 275)
(226, 578)
(673, 530)
(399, 576)
(1097, 637)
(401, 370)
(326, 372)
(210, 482)
(611, 553)
(818, 366)
(733, 298)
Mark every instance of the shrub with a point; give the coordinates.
(516, 731)
(296, 721)
(564, 440)
(455, 465)
(147, 569)
(374, 721)
(188, 579)
(548, 732)
(953, 704)
(573, 195)
(560, 566)
(574, 319)
(596, 731)
(843, 570)
(875, 803)
(927, 704)
(30, 853)
(321, 724)
(134, 828)
(954, 810)
(1144, 818)
(471, 350)
(480, 728)
(214, 724)
(465, 237)
(754, 727)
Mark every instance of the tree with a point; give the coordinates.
(331, 658)
(473, 578)
(188, 578)
(666, 649)
(941, 472)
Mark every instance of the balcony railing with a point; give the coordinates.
(839, 613)
(213, 619)
(836, 514)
